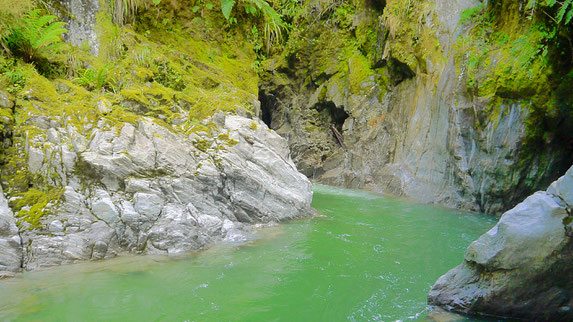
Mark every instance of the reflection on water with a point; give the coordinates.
(368, 258)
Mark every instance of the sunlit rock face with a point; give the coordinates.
(522, 267)
(81, 18)
(143, 188)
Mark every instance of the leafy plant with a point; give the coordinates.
(564, 9)
(95, 79)
(273, 24)
(35, 37)
(13, 77)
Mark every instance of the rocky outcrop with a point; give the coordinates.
(522, 267)
(143, 188)
(10, 242)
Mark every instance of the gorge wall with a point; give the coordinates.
(420, 114)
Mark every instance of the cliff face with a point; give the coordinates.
(401, 90)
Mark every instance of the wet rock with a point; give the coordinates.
(521, 268)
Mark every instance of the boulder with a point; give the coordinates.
(522, 267)
(145, 188)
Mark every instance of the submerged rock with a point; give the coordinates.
(522, 267)
(143, 188)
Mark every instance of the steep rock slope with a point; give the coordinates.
(522, 267)
(398, 80)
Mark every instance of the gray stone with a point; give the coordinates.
(563, 188)
(147, 189)
(6, 101)
(103, 208)
(81, 17)
(103, 106)
(148, 205)
(10, 242)
(521, 268)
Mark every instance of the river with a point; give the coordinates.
(367, 258)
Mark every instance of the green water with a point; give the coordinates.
(369, 258)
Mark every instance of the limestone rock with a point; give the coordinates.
(144, 188)
(10, 242)
(522, 267)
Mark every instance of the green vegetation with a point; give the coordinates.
(411, 40)
(563, 9)
(32, 205)
(95, 79)
(35, 37)
(506, 58)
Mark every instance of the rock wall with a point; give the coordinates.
(81, 17)
(522, 267)
(415, 132)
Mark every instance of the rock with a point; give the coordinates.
(144, 188)
(6, 100)
(522, 267)
(103, 208)
(81, 18)
(148, 205)
(563, 188)
(10, 242)
(103, 106)
(417, 137)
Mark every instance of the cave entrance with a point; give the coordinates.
(268, 105)
(332, 114)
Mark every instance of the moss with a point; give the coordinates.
(253, 126)
(508, 59)
(203, 144)
(359, 70)
(32, 205)
(412, 40)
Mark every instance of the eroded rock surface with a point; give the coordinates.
(522, 267)
(10, 242)
(143, 188)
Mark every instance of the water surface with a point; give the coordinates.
(368, 258)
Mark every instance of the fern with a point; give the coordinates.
(36, 37)
(273, 24)
(227, 7)
(95, 79)
(564, 9)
